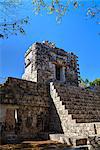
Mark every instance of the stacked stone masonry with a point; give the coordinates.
(48, 100)
(42, 60)
(83, 104)
(85, 123)
(24, 104)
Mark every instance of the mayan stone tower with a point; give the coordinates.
(44, 62)
(48, 103)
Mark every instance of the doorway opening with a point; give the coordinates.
(58, 72)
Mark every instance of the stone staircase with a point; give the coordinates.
(78, 110)
(82, 104)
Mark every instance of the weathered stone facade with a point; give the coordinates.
(43, 60)
(24, 107)
(48, 102)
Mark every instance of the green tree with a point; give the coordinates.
(95, 82)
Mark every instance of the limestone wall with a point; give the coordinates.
(41, 60)
(86, 121)
(22, 92)
(31, 102)
(30, 73)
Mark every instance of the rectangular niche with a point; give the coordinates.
(59, 73)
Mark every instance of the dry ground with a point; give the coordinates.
(34, 145)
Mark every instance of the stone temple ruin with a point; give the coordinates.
(48, 103)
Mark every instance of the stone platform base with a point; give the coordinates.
(92, 142)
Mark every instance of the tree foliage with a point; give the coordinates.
(60, 7)
(13, 28)
(84, 83)
(87, 83)
(95, 82)
(12, 22)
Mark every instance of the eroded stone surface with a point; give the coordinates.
(42, 60)
(48, 99)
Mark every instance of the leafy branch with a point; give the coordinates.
(13, 28)
(12, 21)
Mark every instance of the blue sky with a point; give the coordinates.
(75, 33)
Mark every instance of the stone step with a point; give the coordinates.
(84, 116)
(85, 108)
(82, 104)
(78, 112)
(80, 99)
(87, 120)
(69, 92)
(66, 95)
(79, 142)
(89, 101)
(73, 91)
(79, 94)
